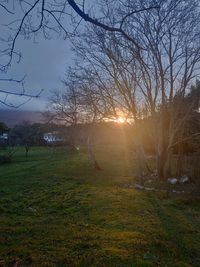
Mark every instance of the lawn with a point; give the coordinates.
(56, 211)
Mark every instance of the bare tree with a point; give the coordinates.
(26, 135)
(172, 54)
(149, 78)
(74, 107)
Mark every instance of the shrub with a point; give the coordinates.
(5, 159)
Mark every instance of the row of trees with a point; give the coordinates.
(25, 134)
(29, 134)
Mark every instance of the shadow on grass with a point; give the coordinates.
(179, 232)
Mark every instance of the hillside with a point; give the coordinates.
(13, 117)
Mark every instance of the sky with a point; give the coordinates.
(44, 63)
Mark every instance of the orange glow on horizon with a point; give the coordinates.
(120, 119)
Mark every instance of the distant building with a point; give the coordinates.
(4, 136)
(53, 137)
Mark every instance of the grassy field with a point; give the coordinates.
(56, 211)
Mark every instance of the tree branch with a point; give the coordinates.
(4, 7)
(87, 18)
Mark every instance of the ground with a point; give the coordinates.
(56, 211)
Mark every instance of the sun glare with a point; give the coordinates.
(120, 120)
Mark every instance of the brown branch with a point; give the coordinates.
(4, 7)
(87, 18)
(184, 139)
(13, 80)
(22, 94)
(58, 22)
(42, 18)
(135, 12)
(19, 30)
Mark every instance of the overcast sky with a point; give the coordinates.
(44, 62)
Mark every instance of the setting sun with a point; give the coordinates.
(120, 120)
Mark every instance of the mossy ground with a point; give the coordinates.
(56, 211)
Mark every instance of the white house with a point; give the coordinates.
(52, 137)
(4, 136)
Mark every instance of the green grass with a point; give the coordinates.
(56, 211)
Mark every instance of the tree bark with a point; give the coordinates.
(91, 155)
(142, 164)
(168, 164)
(163, 144)
(27, 149)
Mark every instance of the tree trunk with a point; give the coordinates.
(179, 160)
(160, 165)
(141, 160)
(168, 164)
(27, 149)
(142, 166)
(163, 156)
(91, 155)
